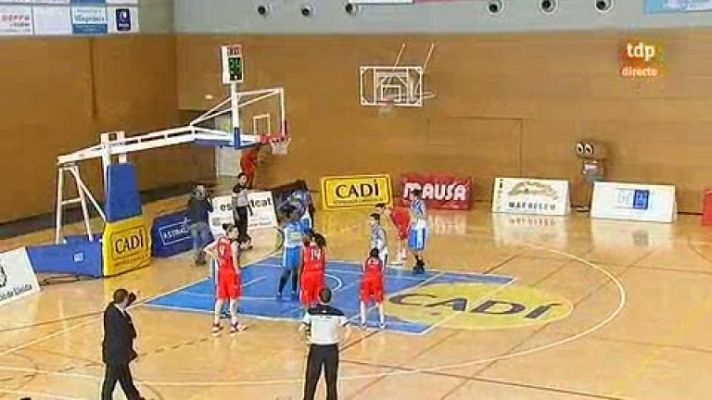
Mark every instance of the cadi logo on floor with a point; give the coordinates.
(477, 306)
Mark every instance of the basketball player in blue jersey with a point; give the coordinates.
(418, 231)
(291, 255)
(379, 239)
(299, 203)
(303, 198)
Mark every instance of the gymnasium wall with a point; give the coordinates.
(156, 16)
(434, 16)
(506, 105)
(60, 93)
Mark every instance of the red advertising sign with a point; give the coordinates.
(442, 192)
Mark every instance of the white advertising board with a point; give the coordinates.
(263, 214)
(17, 278)
(634, 202)
(531, 196)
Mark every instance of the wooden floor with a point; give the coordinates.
(641, 298)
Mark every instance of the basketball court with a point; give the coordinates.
(630, 319)
(524, 298)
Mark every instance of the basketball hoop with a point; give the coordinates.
(279, 144)
(387, 107)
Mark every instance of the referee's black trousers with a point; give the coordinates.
(326, 356)
(241, 221)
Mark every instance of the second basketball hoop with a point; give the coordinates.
(389, 86)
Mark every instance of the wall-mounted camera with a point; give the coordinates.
(351, 9)
(495, 7)
(307, 11)
(263, 10)
(548, 6)
(603, 6)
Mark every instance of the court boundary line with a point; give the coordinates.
(292, 320)
(611, 277)
(601, 324)
(142, 302)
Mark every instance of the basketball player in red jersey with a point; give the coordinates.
(248, 164)
(313, 268)
(372, 287)
(401, 221)
(225, 251)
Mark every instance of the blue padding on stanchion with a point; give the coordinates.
(170, 234)
(122, 197)
(77, 257)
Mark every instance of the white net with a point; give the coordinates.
(280, 146)
(387, 108)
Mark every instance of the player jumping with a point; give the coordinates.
(418, 231)
(372, 287)
(401, 221)
(314, 266)
(299, 202)
(291, 255)
(229, 286)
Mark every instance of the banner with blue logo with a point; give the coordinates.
(634, 202)
(171, 235)
(677, 6)
(123, 19)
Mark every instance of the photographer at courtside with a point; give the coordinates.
(199, 208)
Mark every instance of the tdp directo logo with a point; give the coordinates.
(128, 242)
(639, 59)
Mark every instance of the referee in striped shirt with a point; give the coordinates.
(323, 326)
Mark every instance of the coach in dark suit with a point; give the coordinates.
(117, 347)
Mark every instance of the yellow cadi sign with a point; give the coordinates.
(339, 192)
(126, 245)
(476, 306)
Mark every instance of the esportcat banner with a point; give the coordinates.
(263, 212)
(126, 245)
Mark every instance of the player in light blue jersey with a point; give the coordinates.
(291, 255)
(379, 239)
(418, 232)
(303, 198)
(300, 203)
